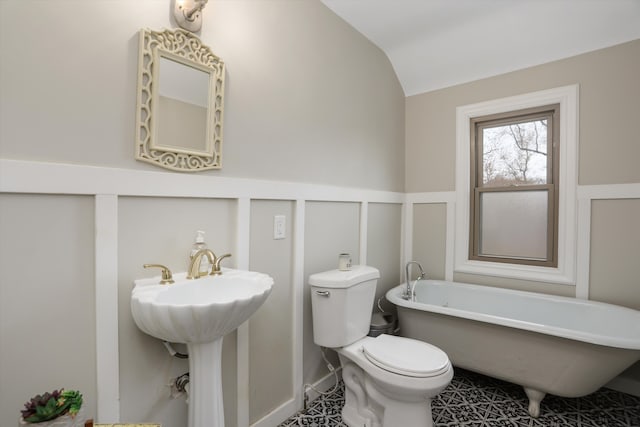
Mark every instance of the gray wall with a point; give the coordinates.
(271, 327)
(429, 229)
(615, 251)
(47, 299)
(608, 110)
(301, 84)
(383, 243)
(305, 93)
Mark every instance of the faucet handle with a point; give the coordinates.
(215, 269)
(167, 277)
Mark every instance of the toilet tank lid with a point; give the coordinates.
(344, 278)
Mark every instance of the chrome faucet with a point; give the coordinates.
(196, 260)
(408, 292)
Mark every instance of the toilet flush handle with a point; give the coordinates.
(323, 293)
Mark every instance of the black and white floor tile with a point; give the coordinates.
(473, 400)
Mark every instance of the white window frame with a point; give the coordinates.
(565, 272)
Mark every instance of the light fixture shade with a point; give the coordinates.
(188, 13)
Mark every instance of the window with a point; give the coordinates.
(514, 187)
(535, 212)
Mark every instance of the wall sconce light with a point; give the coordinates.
(188, 13)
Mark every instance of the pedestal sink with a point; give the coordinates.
(199, 312)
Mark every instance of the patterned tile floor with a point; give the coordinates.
(475, 400)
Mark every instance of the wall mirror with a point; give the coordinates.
(180, 102)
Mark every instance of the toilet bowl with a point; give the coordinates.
(392, 381)
(389, 380)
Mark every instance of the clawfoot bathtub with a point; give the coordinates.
(547, 344)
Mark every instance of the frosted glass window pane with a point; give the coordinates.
(514, 224)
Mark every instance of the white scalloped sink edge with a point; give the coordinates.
(198, 310)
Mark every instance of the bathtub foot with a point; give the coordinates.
(535, 397)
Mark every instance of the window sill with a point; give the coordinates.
(515, 271)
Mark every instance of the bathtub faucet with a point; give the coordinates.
(408, 292)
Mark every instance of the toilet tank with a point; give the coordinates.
(341, 303)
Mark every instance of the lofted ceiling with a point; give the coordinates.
(434, 44)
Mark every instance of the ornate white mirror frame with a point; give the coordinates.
(163, 138)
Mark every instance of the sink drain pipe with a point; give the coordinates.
(182, 382)
(172, 351)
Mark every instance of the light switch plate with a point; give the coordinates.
(279, 227)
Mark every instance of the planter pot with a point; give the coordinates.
(64, 421)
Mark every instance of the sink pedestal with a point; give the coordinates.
(200, 313)
(205, 384)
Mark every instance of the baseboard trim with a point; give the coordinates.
(288, 408)
(323, 384)
(278, 415)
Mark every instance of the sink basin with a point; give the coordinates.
(198, 310)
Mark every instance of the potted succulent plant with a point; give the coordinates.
(60, 408)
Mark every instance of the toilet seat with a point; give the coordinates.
(406, 356)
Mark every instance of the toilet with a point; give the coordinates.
(389, 380)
